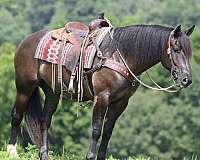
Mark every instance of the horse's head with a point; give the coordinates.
(178, 54)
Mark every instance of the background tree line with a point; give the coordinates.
(155, 124)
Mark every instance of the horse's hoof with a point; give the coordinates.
(12, 151)
(91, 156)
(44, 156)
(101, 158)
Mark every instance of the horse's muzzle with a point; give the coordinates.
(182, 80)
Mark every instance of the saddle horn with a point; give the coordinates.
(101, 15)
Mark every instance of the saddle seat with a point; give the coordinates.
(74, 32)
(77, 27)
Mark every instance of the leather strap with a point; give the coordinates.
(118, 67)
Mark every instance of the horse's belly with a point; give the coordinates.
(46, 74)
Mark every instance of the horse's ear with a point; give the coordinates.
(177, 31)
(189, 31)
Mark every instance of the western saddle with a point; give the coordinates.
(75, 33)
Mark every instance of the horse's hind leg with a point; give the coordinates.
(50, 106)
(114, 111)
(17, 116)
(100, 106)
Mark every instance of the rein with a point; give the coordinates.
(158, 87)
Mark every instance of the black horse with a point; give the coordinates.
(141, 46)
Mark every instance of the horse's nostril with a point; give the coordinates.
(185, 81)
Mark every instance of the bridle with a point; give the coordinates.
(158, 87)
(169, 53)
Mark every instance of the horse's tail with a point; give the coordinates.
(33, 116)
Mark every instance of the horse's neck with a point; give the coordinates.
(147, 63)
(140, 60)
(137, 65)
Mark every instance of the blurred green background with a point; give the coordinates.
(155, 124)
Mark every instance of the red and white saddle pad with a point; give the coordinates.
(48, 49)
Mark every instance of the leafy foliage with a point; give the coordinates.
(7, 89)
(31, 153)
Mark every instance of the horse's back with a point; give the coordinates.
(26, 66)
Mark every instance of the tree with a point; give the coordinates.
(39, 13)
(10, 30)
(172, 12)
(7, 88)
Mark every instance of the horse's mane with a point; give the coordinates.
(145, 41)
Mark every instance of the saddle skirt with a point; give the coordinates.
(49, 45)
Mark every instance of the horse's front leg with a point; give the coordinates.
(114, 111)
(50, 106)
(99, 110)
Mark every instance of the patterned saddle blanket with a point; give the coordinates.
(48, 49)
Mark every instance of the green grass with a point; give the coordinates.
(31, 153)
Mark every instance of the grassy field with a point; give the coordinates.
(31, 153)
